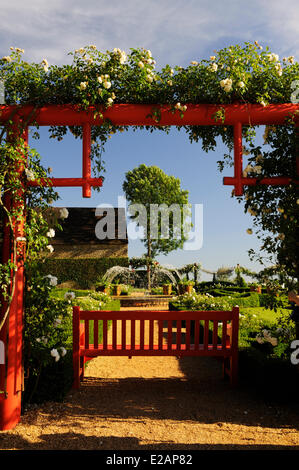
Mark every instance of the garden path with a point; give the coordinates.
(158, 403)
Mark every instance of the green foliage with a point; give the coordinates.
(47, 333)
(149, 187)
(84, 272)
(193, 301)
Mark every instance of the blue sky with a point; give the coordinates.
(176, 31)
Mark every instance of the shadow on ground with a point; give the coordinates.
(77, 441)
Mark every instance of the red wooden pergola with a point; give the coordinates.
(236, 115)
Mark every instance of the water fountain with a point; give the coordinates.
(144, 299)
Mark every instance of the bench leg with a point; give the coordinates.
(76, 372)
(230, 369)
(234, 369)
(81, 368)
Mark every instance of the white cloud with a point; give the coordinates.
(176, 31)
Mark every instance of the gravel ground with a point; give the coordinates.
(160, 403)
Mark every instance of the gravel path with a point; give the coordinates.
(159, 403)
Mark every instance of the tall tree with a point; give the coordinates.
(160, 207)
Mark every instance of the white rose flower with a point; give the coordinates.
(64, 213)
(69, 295)
(241, 84)
(107, 84)
(63, 351)
(54, 353)
(83, 85)
(51, 233)
(7, 58)
(123, 57)
(273, 57)
(213, 67)
(140, 64)
(29, 174)
(226, 84)
(110, 101)
(50, 248)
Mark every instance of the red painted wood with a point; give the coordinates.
(151, 334)
(169, 334)
(133, 332)
(196, 335)
(86, 162)
(114, 333)
(179, 334)
(224, 333)
(86, 334)
(105, 333)
(238, 161)
(206, 334)
(138, 114)
(68, 182)
(215, 333)
(123, 333)
(274, 181)
(188, 328)
(157, 315)
(156, 351)
(11, 373)
(76, 346)
(96, 333)
(142, 333)
(160, 337)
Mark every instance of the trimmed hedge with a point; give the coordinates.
(83, 271)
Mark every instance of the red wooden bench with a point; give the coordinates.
(168, 333)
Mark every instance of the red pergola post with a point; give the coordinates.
(11, 372)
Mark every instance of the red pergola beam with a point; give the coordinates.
(139, 114)
(236, 115)
(68, 182)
